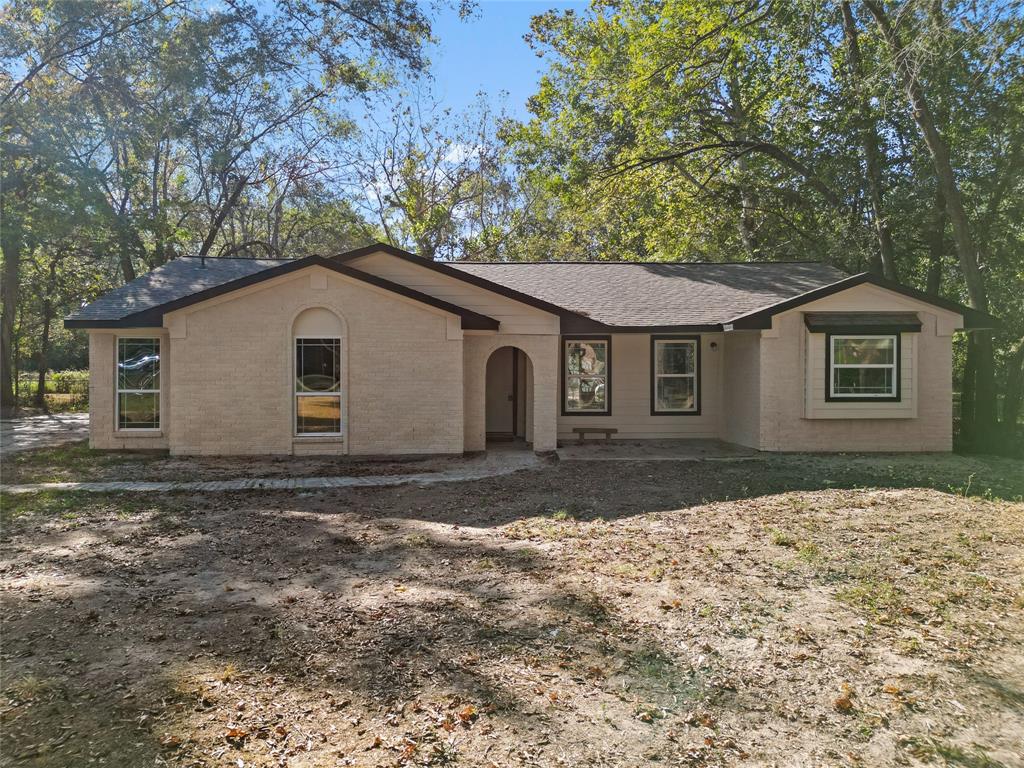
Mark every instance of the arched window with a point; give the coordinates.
(318, 335)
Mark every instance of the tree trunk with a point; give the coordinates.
(936, 245)
(748, 199)
(44, 350)
(871, 147)
(1014, 395)
(218, 220)
(967, 394)
(44, 340)
(10, 243)
(985, 424)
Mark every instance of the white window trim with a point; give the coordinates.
(833, 366)
(118, 391)
(657, 376)
(296, 394)
(605, 377)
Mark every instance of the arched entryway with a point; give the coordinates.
(509, 397)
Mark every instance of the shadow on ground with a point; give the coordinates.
(616, 614)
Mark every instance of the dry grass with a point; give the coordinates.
(825, 611)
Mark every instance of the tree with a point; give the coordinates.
(873, 135)
(165, 116)
(437, 182)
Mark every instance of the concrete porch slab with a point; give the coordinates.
(656, 450)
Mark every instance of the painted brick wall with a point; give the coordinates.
(102, 394)
(783, 383)
(541, 402)
(231, 383)
(741, 382)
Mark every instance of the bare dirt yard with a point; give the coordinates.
(794, 611)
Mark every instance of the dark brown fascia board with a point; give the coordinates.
(568, 328)
(762, 318)
(862, 322)
(580, 321)
(153, 317)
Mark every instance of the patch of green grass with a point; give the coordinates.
(18, 507)
(928, 748)
(781, 538)
(808, 551)
(872, 595)
(68, 462)
(31, 687)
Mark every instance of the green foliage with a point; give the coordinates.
(703, 129)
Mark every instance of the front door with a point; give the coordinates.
(501, 394)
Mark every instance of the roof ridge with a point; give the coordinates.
(227, 258)
(650, 263)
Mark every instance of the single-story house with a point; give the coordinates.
(379, 351)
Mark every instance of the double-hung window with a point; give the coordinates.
(675, 379)
(586, 376)
(138, 383)
(863, 367)
(317, 386)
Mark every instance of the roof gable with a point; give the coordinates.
(144, 302)
(453, 270)
(762, 317)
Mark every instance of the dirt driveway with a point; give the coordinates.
(795, 611)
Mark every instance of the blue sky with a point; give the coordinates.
(487, 53)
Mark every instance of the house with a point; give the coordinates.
(378, 351)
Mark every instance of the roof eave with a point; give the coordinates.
(153, 317)
(762, 318)
(467, 277)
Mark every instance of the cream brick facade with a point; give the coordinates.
(413, 381)
(791, 412)
(103, 394)
(542, 378)
(228, 373)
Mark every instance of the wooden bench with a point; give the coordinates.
(608, 431)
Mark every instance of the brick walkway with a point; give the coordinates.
(493, 465)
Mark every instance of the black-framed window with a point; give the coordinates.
(862, 367)
(317, 386)
(675, 375)
(586, 376)
(138, 383)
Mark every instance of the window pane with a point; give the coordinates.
(675, 356)
(863, 381)
(676, 394)
(318, 365)
(138, 411)
(585, 394)
(586, 357)
(864, 351)
(317, 415)
(138, 364)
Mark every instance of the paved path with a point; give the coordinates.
(45, 431)
(656, 450)
(475, 469)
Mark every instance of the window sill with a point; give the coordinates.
(318, 438)
(138, 433)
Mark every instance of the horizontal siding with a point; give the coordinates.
(631, 395)
(514, 316)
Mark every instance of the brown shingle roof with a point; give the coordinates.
(640, 294)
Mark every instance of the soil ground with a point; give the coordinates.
(792, 611)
